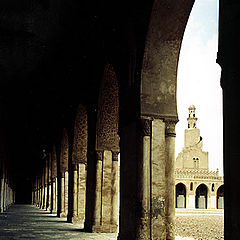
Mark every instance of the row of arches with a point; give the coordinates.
(80, 180)
(201, 196)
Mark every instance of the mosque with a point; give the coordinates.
(196, 186)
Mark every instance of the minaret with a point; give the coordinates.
(192, 120)
(192, 133)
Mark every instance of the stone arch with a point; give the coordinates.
(159, 71)
(180, 195)
(220, 197)
(151, 171)
(79, 161)
(108, 112)
(201, 196)
(107, 150)
(80, 140)
(64, 152)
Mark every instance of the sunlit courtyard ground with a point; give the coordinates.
(200, 226)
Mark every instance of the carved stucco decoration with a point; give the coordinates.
(80, 141)
(108, 112)
(64, 152)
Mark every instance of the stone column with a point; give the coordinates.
(43, 189)
(50, 183)
(2, 195)
(62, 212)
(98, 194)
(81, 192)
(170, 179)
(56, 193)
(158, 180)
(115, 189)
(75, 194)
(54, 209)
(66, 193)
(143, 223)
(5, 194)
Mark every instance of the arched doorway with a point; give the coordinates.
(180, 195)
(201, 196)
(220, 197)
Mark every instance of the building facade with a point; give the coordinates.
(196, 186)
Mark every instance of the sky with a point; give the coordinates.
(199, 81)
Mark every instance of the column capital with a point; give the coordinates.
(170, 128)
(146, 125)
(115, 155)
(99, 155)
(75, 166)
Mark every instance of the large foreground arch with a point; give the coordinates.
(148, 163)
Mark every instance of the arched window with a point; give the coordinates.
(191, 186)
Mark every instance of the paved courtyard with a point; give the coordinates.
(28, 222)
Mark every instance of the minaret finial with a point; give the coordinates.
(192, 120)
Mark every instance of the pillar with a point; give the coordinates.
(170, 179)
(2, 194)
(62, 212)
(81, 192)
(54, 197)
(97, 205)
(115, 188)
(49, 183)
(147, 182)
(66, 193)
(75, 194)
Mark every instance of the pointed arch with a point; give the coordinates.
(220, 197)
(108, 112)
(80, 140)
(202, 196)
(64, 152)
(180, 195)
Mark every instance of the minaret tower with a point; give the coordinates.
(192, 120)
(192, 133)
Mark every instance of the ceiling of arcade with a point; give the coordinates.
(52, 57)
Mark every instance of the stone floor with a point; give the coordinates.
(28, 222)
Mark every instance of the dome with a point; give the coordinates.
(192, 107)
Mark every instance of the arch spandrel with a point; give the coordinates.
(160, 62)
(108, 107)
(80, 140)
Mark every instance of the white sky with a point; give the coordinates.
(199, 81)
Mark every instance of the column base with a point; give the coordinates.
(63, 215)
(106, 228)
(78, 220)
